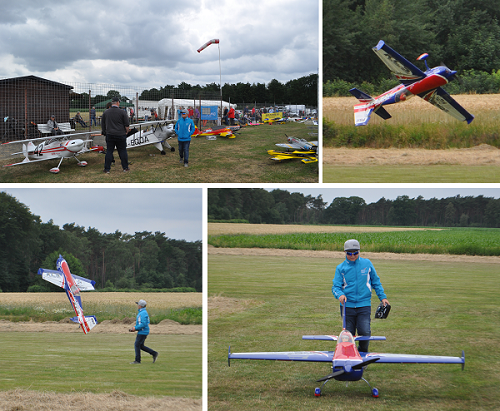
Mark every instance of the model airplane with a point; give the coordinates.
(347, 363)
(72, 284)
(222, 132)
(306, 151)
(414, 81)
(151, 132)
(56, 147)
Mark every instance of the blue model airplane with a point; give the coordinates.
(347, 363)
(414, 82)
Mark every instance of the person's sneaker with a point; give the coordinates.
(181, 161)
(135, 362)
(155, 357)
(106, 171)
(186, 165)
(126, 170)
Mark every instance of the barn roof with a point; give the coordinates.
(33, 78)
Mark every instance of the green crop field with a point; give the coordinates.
(472, 241)
(267, 303)
(98, 363)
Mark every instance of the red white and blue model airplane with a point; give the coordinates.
(72, 284)
(414, 82)
(347, 363)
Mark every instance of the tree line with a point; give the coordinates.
(462, 34)
(303, 90)
(143, 260)
(259, 206)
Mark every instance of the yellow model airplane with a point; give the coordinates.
(306, 151)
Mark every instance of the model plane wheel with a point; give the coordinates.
(375, 393)
(82, 163)
(163, 152)
(317, 392)
(54, 170)
(172, 149)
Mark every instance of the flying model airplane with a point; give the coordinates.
(72, 284)
(55, 147)
(151, 132)
(306, 151)
(347, 363)
(414, 81)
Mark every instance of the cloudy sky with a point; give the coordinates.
(372, 195)
(177, 212)
(154, 43)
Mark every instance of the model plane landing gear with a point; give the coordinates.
(374, 390)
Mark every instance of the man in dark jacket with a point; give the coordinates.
(115, 126)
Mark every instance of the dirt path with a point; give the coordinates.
(105, 327)
(480, 155)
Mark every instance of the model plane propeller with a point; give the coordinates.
(347, 363)
(414, 82)
(72, 284)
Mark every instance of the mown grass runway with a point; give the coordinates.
(99, 363)
(438, 308)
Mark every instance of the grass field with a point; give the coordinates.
(242, 159)
(414, 124)
(410, 174)
(438, 308)
(99, 363)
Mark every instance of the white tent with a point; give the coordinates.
(167, 107)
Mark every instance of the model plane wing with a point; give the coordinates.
(311, 356)
(414, 359)
(405, 71)
(442, 100)
(52, 276)
(84, 284)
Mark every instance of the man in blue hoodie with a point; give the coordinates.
(184, 128)
(142, 328)
(352, 286)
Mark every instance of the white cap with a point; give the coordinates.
(142, 303)
(351, 245)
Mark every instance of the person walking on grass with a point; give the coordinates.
(184, 128)
(142, 328)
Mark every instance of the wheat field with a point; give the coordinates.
(485, 108)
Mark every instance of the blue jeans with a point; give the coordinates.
(120, 142)
(358, 319)
(139, 345)
(184, 150)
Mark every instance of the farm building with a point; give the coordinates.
(31, 99)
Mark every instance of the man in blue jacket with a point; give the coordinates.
(142, 328)
(352, 286)
(184, 128)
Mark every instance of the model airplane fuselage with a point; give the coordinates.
(72, 284)
(347, 363)
(414, 82)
